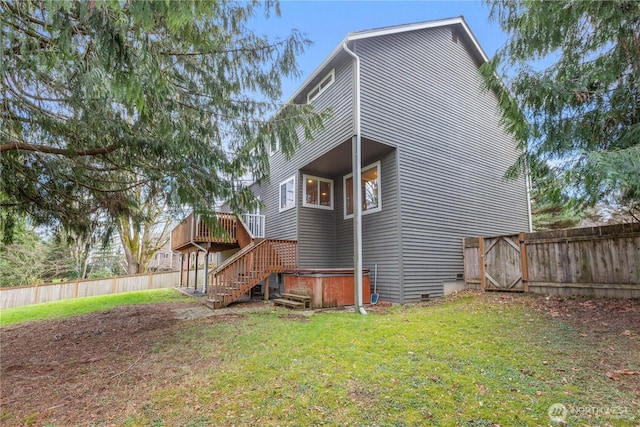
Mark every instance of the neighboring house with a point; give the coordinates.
(433, 159)
(165, 260)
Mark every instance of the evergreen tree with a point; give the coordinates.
(101, 97)
(573, 98)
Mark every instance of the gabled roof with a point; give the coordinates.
(459, 21)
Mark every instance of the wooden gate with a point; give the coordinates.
(502, 266)
(499, 262)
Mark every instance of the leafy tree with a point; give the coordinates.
(147, 231)
(22, 262)
(572, 73)
(102, 97)
(551, 208)
(68, 252)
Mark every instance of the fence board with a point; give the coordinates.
(94, 287)
(26, 295)
(599, 261)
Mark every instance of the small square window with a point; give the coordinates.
(288, 194)
(318, 192)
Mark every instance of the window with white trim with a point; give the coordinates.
(317, 192)
(274, 146)
(322, 86)
(288, 194)
(370, 187)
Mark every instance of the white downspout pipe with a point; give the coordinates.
(356, 156)
(527, 180)
(206, 254)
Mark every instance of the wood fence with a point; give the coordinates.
(598, 261)
(25, 295)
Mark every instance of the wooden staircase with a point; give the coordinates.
(248, 267)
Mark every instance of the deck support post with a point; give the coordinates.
(206, 272)
(188, 268)
(181, 269)
(195, 270)
(266, 288)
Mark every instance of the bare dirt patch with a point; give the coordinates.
(381, 307)
(92, 367)
(297, 317)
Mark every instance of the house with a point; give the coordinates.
(433, 156)
(165, 260)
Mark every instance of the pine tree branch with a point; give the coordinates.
(24, 146)
(267, 47)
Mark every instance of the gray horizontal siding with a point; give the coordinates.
(422, 92)
(380, 234)
(337, 129)
(317, 236)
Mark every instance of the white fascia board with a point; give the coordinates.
(402, 28)
(420, 26)
(473, 39)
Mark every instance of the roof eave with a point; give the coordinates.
(393, 30)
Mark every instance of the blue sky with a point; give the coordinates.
(326, 23)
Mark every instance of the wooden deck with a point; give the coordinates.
(256, 260)
(227, 234)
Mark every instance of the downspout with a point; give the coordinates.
(527, 180)
(206, 254)
(356, 156)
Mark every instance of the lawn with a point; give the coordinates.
(74, 307)
(474, 360)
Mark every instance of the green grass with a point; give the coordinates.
(74, 307)
(465, 362)
(470, 361)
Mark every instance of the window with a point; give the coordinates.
(322, 86)
(317, 192)
(274, 146)
(288, 194)
(370, 187)
(165, 256)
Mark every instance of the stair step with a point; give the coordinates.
(288, 303)
(304, 299)
(212, 303)
(297, 297)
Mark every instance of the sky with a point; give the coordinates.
(327, 23)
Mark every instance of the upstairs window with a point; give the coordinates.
(288, 194)
(370, 188)
(274, 146)
(317, 192)
(322, 86)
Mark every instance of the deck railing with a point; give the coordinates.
(185, 232)
(255, 223)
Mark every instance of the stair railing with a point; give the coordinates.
(250, 266)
